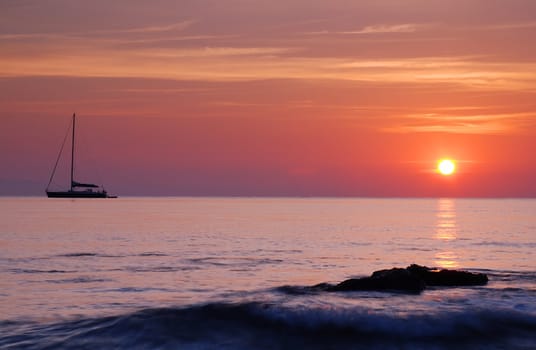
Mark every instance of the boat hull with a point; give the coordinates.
(78, 194)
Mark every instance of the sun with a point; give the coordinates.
(446, 167)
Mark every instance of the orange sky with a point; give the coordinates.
(295, 97)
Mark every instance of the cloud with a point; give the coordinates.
(95, 59)
(214, 52)
(507, 26)
(158, 29)
(380, 29)
(484, 128)
(375, 29)
(162, 52)
(499, 123)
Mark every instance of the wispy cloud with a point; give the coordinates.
(484, 128)
(158, 29)
(374, 29)
(506, 26)
(382, 28)
(259, 63)
(499, 123)
(165, 52)
(173, 27)
(214, 52)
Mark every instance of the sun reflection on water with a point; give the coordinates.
(446, 220)
(446, 231)
(447, 260)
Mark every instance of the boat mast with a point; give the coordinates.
(72, 154)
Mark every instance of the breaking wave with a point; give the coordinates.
(269, 326)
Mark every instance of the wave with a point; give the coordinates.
(160, 268)
(81, 279)
(268, 326)
(507, 244)
(41, 271)
(77, 255)
(88, 254)
(152, 254)
(234, 261)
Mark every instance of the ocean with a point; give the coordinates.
(232, 273)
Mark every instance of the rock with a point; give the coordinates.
(412, 279)
(322, 287)
(394, 279)
(444, 277)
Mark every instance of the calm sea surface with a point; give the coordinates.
(203, 273)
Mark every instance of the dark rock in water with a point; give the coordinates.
(393, 279)
(452, 278)
(412, 279)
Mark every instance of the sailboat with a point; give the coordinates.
(77, 189)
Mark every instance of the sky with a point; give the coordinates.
(271, 98)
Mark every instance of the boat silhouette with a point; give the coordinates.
(76, 189)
